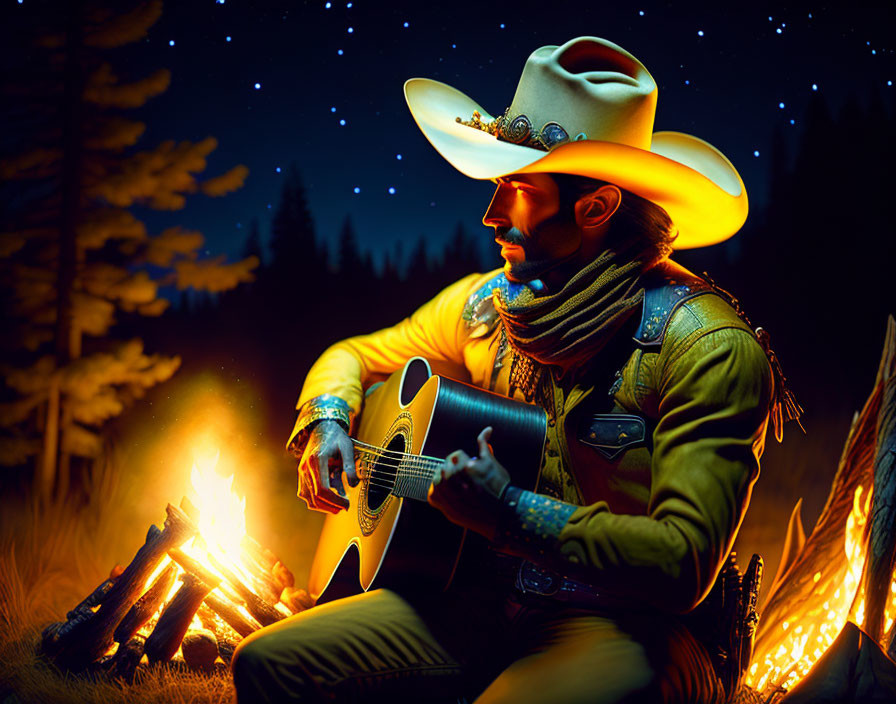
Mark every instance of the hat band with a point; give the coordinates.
(519, 130)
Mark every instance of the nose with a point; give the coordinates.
(498, 213)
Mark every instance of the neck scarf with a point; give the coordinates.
(568, 327)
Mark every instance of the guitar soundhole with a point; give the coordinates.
(382, 474)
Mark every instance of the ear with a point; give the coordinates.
(594, 209)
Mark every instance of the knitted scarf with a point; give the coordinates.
(568, 327)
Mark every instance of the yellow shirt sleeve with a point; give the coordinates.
(435, 331)
(713, 412)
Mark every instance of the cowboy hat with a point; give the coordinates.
(587, 108)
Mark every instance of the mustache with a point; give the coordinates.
(510, 235)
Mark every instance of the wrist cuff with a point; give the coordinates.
(312, 412)
(530, 523)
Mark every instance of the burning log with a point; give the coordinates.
(200, 650)
(881, 526)
(145, 607)
(96, 596)
(54, 634)
(194, 567)
(166, 637)
(89, 637)
(226, 649)
(124, 663)
(263, 565)
(231, 616)
(263, 612)
(296, 600)
(264, 557)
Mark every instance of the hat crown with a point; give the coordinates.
(588, 86)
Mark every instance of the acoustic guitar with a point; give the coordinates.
(390, 536)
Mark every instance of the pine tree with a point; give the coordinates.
(350, 266)
(252, 246)
(298, 263)
(74, 257)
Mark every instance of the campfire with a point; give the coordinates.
(191, 593)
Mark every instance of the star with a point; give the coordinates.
(756, 152)
(357, 189)
(391, 190)
(398, 156)
(699, 32)
(227, 38)
(258, 86)
(171, 42)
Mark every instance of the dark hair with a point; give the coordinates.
(636, 219)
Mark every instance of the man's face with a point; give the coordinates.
(534, 232)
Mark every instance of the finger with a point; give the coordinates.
(482, 441)
(324, 497)
(456, 460)
(336, 478)
(347, 453)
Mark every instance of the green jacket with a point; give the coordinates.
(661, 457)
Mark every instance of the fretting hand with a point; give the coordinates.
(328, 453)
(469, 490)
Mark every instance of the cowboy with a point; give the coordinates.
(657, 393)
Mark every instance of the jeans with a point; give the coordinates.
(477, 644)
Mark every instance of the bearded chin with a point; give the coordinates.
(524, 272)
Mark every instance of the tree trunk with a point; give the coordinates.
(67, 339)
(46, 478)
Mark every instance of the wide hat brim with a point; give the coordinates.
(689, 178)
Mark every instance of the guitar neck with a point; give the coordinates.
(401, 473)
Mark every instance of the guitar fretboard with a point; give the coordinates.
(401, 473)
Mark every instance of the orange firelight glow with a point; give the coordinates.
(222, 533)
(834, 601)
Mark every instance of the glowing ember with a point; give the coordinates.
(834, 601)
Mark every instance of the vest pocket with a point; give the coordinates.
(612, 433)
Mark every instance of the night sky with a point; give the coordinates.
(320, 83)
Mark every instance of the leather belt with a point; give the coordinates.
(532, 580)
(545, 586)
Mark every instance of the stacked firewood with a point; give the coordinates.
(122, 620)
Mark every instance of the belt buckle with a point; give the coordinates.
(531, 579)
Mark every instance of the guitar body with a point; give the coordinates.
(389, 536)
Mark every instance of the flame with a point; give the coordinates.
(222, 532)
(837, 600)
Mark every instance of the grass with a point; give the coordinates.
(51, 557)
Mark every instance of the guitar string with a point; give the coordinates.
(382, 450)
(411, 468)
(407, 467)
